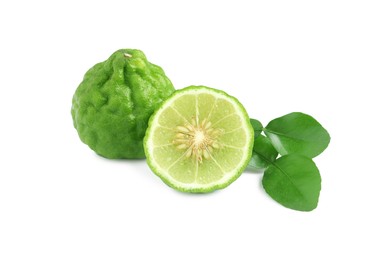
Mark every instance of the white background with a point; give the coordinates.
(330, 59)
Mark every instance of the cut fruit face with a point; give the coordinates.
(199, 140)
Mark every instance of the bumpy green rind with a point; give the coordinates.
(209, 188)
(112, 105)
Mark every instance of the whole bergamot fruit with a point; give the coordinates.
(112, 105)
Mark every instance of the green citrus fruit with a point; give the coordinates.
(113, 103)
(199, 140)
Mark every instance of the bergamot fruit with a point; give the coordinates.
(113, 103)
(199, 140)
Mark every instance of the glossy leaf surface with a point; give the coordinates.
(263, 154)
(294, 181)
(257, 126)
(297, 133)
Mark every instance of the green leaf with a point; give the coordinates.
(257, 127)
(294, 181)
(297, 133)
(263, 154)
(255, 164)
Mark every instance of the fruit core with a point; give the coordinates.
(197, 139)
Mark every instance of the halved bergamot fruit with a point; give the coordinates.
(199, 140)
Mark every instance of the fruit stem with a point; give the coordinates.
(127, 55)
